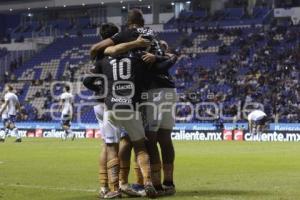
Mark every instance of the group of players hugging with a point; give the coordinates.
(136, 97)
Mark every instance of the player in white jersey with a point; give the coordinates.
(4, 118)
(257, 122)
(66, 102)
(9, 111)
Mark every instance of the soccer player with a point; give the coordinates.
(66, 103)
(124, 77)
(11, 106)
(4, 118)
(257, 122)
(159, 126)
(107, 30)
(136, 23)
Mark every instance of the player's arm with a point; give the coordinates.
(18, 106)
(160, 63)
(164, 64)
(89, 82)
(125, 47)
(4, 107)
(73, 106)
(100, 47)
(90, 78)
(60, 104)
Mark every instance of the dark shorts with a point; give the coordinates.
(66, 120)
(11, 119)
(5, 121)
(261, 122)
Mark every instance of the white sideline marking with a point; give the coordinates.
(48, 188)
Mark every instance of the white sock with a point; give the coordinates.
(2, 135)
(6, 132)
(16, 133)
(70, 133)
(64, 135)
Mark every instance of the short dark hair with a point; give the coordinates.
(67, 88)
(135, 16)
(107, 30)
(164, 45)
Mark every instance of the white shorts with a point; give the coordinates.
(115, 121)
(159, 115)
(99, 112)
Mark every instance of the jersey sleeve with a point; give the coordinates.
(62, 96)
(164, 63)
(6, 97)
(118, 38)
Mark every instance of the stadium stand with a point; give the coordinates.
(224, 59)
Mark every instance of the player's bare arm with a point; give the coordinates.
(125, 47)
(18, 106)
(149, 58)
(100, 47)
(4, 107)
(60, 105)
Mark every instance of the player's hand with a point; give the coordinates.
(149, 58)
(141, 42)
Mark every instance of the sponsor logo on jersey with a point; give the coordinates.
(119, 87)
(121, 100)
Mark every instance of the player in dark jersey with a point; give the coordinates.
(135, 22)
(124, 91)
(162, 93)
(161, 125)
(95, 83)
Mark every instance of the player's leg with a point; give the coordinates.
(261, 125)
(125, 157)
(5, 130)
(113, 169)
(168, 158)
(135, 130)
(66, 125)
(138, 173)
(251, 129)
(151, 123)
(69, 131)
(103, 177)
(155, 162)
(125, 150)
(167, 122)
(112, 138)
(66, 132)
(143, 161)
(14, 130)
(138, 186)
(64, 136)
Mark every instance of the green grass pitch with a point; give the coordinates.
(50, 169)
